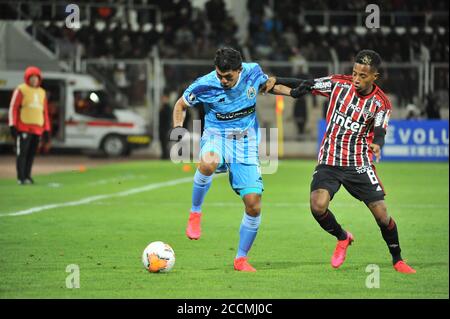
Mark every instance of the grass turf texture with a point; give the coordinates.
(291, 253)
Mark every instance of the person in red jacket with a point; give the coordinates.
(28, 121)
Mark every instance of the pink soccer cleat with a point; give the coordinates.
(403, 267)
(193, 230)
(338, 257)
(241, 264)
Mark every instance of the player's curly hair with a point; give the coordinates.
(228, 59)
(369, 57)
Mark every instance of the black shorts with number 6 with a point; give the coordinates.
(361, 182)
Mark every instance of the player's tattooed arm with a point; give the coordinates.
(290, 83)
(179, 113)
(289, 86)
(268, 86)
(272, 87)
(279, 89)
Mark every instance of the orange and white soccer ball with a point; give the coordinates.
(158, 257)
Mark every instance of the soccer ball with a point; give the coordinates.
(158, 257)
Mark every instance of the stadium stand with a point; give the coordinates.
(413, 34)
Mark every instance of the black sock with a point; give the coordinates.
(328, 222)
(390, 236)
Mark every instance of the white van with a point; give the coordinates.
(83, 115)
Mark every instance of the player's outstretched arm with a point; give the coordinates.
(270, 87)
(288, 86)
(299, 87)
(179, 113)
(277, 89)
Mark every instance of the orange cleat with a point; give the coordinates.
(338, 257)
(241, 264)
(403, 267)
(193, 229)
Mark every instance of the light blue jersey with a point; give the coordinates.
(220, 104)
(231, 126)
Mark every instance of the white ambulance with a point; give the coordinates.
(83, 115)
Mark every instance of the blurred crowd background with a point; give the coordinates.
(276, 30)
(126, 43)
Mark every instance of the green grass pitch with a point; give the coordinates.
(105, 237)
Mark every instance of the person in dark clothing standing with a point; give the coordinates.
(165, 124)
(432, 107)
(300, 115)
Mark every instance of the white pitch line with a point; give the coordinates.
(149, 187)
(91, 199)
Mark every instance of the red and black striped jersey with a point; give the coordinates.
(351, 119)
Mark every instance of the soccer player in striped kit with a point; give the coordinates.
(357, 119)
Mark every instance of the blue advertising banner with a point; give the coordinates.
(411, 140)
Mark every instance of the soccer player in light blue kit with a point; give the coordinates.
(229, 141)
